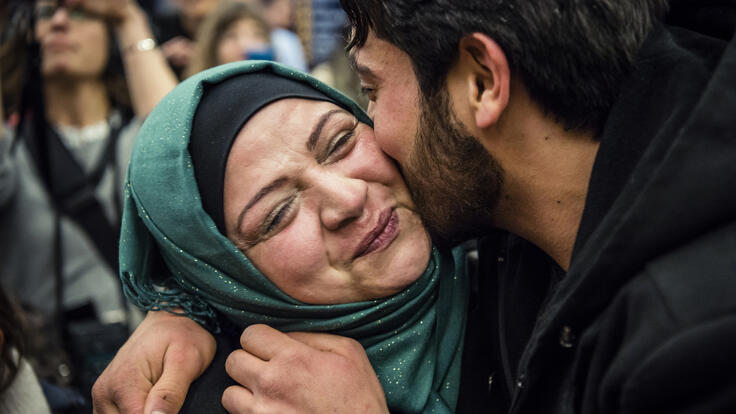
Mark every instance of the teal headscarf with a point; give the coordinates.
(173, 256)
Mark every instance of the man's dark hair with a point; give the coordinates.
(570, 54)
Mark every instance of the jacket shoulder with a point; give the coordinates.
(697, 281)
(679, 329)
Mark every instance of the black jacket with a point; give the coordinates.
(644, 321)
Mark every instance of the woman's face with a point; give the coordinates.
(240, 37)
(316, 205)
(73, 43)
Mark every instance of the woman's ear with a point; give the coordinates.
(484, 66)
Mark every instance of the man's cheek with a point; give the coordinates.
(389, 142)
(371, 109)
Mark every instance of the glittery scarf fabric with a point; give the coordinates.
(173, 256)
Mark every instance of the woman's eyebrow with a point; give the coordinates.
(261, 193)
(314, 136)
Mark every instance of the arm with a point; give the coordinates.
(148, 75)
(301, 372)
(152, 371)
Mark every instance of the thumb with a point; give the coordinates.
(329, 343)
(167, 396)
(180, 369)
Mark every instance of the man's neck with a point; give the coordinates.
(547, 170)
(76, 103)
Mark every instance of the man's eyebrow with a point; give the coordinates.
(314, 136)
(261, 193)
(362, 70)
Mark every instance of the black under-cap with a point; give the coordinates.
(223, 110)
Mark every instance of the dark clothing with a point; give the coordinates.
(167, 27)
(205, 394)
(644, 321)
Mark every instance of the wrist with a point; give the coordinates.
(131, 25)
(143, 45)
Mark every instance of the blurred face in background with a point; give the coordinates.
(241, 38)
(278, 13)
(73, 44)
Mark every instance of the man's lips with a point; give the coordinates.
(382, 235)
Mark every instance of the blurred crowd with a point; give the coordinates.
(78, 78)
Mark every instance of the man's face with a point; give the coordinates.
(453, 180)
(388, 81)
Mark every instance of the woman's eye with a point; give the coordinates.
(341, 142)
(278, 216)
(45, 11)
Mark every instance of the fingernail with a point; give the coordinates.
(157, 412)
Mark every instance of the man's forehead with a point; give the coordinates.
(375, 56)
(362, 63)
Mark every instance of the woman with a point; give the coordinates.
(258, 195)
(234, 31)
(94, 74)
(75, 135)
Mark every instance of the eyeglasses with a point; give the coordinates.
(47, 11)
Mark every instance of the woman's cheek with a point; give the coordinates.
(294, 253)
(372, 163)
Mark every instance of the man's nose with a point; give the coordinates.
(342, 198)
(371, 109)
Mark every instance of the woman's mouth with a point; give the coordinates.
(382, 235)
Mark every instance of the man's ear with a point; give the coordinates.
(486, 71)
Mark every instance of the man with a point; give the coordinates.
(604, 142)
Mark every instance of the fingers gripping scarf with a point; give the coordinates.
(173, 256)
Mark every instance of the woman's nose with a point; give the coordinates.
(60, 16)
(342, 199)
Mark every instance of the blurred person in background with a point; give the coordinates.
(61, 173)
(233, 31)
(327, 25)
(288, 48)
(337, 71)
(176, 30)
(20, 391)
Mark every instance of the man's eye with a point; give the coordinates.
(369, 93)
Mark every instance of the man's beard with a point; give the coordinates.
(453, 179)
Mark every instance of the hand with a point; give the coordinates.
(116, 11)
(152, 371)
(178, 51)
(301, 373)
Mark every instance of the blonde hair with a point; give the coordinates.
(215, 25)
